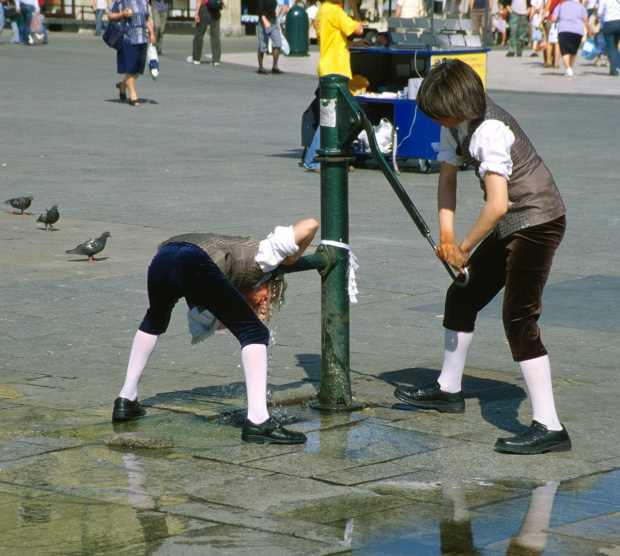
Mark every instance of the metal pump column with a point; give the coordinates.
(340, 124)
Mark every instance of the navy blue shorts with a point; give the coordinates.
(184, 270)
(131, 59)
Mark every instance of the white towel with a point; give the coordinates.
(201, 325)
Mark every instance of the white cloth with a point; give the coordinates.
(201, 325)
(279, 244)
(490, 145)
(353, 266)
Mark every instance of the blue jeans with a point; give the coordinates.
(2, 20)
(611, 34)
(99, 21)
(309, 163)
(27, 12)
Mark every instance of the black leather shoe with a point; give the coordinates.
(535, 440)
(126, 410)
(432, 396)
(270, 432)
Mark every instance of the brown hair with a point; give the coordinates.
(452, 89)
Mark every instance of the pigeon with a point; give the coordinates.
(21, 203)
(49, 217)
(91, 247)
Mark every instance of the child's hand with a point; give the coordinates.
(458, 259)
(445, 250)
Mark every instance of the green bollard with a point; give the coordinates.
(340, 124)
(297, 31)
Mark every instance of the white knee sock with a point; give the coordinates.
(254, 359)
(143, 346)
(456, 345)
(537, 375)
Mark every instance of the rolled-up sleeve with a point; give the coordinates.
(490, 144)
(447, 148)
(278, 245)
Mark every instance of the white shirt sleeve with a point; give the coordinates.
(490, 144)
(447, 148)
(279, 244)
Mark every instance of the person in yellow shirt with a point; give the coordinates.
(333, 28)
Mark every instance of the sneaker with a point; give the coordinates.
(216, 63)
(510, 55)
(569, 72)
(270, 432)
(191, 60)
(534, 55)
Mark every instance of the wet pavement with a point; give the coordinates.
(217, 149)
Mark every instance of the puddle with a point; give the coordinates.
(469, 518)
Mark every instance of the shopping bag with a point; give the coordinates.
(589, 50)
(36, 23)
(553, 33)
(153, 61)
(286, 48)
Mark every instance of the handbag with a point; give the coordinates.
(215, 5)
(10, 11)
(113, 35)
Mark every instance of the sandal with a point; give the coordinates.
(135, 102)
(121, 95)
(261, 71)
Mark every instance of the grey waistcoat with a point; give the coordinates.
(533, 197)
(233, 255)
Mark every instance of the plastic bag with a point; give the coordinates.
(589, 51)
(286, 48)
(553, 33)
(153, 61)
(383, 134)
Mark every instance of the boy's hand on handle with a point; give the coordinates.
(445, 249)
(458, 259)
(451, 253)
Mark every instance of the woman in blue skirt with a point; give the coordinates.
(138, 32)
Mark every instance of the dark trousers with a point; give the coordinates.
(521, 263)
(184, 270)
(212, 21)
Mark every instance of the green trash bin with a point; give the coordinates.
(297, 31)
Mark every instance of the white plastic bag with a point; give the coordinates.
(383, 135)
(286, 48)
(153, 61)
